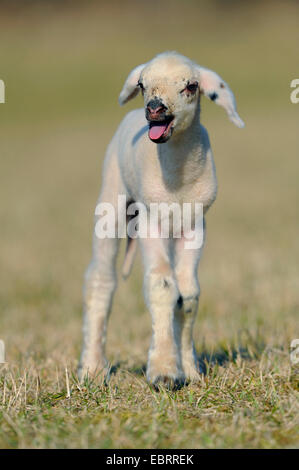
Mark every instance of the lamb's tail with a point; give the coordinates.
(129, 256)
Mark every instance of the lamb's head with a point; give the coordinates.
(171, 85)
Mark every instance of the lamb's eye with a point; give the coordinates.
(141, 87)
(192, 87)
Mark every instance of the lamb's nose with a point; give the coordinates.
(155, 107)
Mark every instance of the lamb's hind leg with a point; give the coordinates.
(100, 284)
(100, 279)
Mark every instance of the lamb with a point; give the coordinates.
(159, 154)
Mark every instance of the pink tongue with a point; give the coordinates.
(156, 131)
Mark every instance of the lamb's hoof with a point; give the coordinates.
(168, 383)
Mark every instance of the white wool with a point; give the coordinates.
(180, 170)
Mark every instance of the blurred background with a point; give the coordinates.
(63, 64)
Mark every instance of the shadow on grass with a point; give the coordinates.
(224, 356)
(206, 359)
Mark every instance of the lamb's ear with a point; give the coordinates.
(214, 88)
(131, 88)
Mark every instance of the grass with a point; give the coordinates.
(246, 403)
(63, 70)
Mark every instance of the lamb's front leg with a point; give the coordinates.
(161, 295)
(186, 266)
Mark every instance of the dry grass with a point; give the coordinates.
(63, 73)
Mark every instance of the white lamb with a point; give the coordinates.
(181, 170)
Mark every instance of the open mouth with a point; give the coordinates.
(160, 131)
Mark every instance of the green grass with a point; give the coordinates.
(63, 70)
(244, 404)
